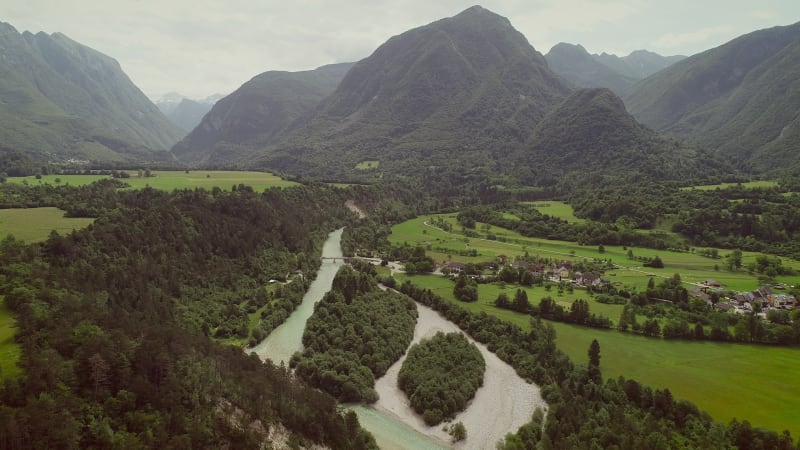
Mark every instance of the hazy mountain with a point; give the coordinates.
(257, 114)
(591, 132)
(459, 92)
(184, 112)
(740, 99)
(639, 64)
(576, 65)
(60, 99)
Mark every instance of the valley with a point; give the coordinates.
(418, 231)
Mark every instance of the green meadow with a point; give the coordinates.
(169, 180)
(9, 350)
(366, 165)
(747, 185)
(35, 224)
(692, 267)
(752, 382)
(556, 209)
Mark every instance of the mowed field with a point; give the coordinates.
(35, 224)
(692, 267)
(752, 382)
(170, 180)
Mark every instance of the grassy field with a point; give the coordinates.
(557, 209)
(728, 381)
(9, 350)
(35, 224)
(366, 165)
(750, 382)
(176, 179)
(747, 185)
(692, 267)
(756, 383)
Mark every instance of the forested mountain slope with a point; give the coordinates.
(739, 99)
(460, 91)
(257, 114)
(576, 65)
(591, 133)
(62, 99)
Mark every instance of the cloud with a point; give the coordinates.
(673, 41)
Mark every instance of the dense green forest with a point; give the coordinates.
(440, 375)
(356, 332)
(115, 320)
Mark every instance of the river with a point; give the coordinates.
(503, 404)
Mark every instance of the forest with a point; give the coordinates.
(115, 322)
(440, 375)
(355, 333)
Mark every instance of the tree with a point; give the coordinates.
(734, 260)
(458, 431)
(601, 249)
(594, 362)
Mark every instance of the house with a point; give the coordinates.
(453, 267)
(724, 307)
(782, 301)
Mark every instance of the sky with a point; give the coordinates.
(203, 47)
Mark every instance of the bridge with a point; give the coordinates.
(334, 258)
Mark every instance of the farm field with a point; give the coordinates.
(692, 267)
(747, 185)
(9, 350)
(172, 179)
(35, 224)
(727, 380)
(556, 209)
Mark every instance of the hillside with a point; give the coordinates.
(257, 114)
(60, 100)
(185, 112)
(576, 65)
(739, 99)
(591, 133)
(458, 92)
(638, 64)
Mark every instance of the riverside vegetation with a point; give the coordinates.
(356, 332)
(440, 375)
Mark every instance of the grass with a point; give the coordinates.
(728, 381)
(747, 185)
(10, 351)
(175, 179)
(366, 165)
(692, 267)
(752, 382)
(35, 224)
(757, 383)
(560, 210)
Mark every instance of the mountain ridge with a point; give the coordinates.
(61, 99)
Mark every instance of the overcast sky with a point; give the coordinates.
(203, 47)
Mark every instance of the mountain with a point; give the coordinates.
(60, 99)
(638, 64)
(586, 70)
(456, 93)
(184, 112)
(576, 65)
(592, 133)
(740, 99)
(257, 114)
